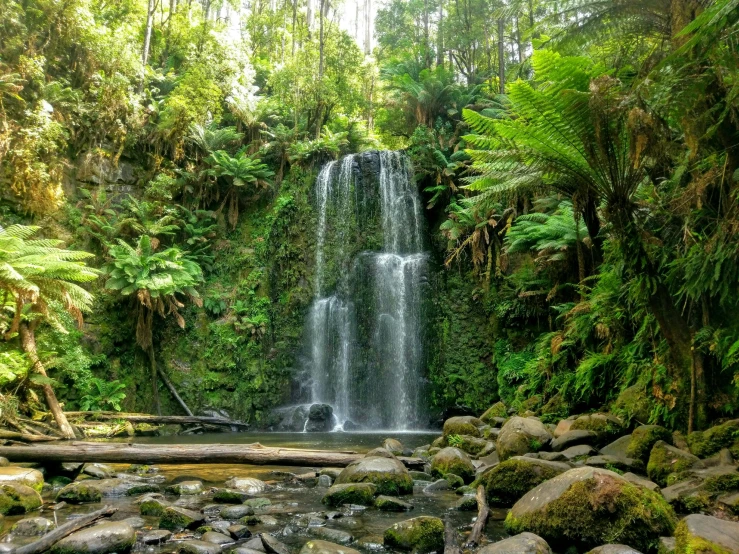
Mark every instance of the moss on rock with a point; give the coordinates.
(452, 460)
(606, 426)
(389, 475)
(665, 460)
(496, 410)
(418, 535)
(644, 438)
(350, 493)
(708, 442)
(79, 493)
(511, 479)
(175, 518)
(462, 425)
(152, 507)
(701, 534)
(16, 499)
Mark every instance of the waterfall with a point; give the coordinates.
(364, 332)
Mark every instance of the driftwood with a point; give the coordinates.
(25, 437)
(482, 516)
(156, 419)
(53, 537)
(142, 453)
(450, 539)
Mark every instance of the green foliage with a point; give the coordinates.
(103, 395)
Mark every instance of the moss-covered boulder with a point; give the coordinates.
(18, 499)
(644, 438)
(462, 425)
(633, 404)
(614, 549)
(665, 460)
(316, 546)
(701, 534)
(452, 460)
(392, 504)
(606, 426)
(511, 479)
(12, 475)
(152, 507)
(185, 488)
(393, 446)
(79, 493)
(32, 527)
(523, 543)
(473, 445)
(229, 496)
(175, 518)
(350, 493)
(520, 435)
(583, 505)
(708, 442)
(497, 410)
(389, 475)
(103, 538)
(418, 535)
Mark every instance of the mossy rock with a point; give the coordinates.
(315, 546)
(455, 481)
(584, 507)
(471, 445)
(532, 403)
(185, 488)
(392, 504)
(418, 535)
(389, 475)
(462, 425)
(104, 538)
(452, 460)
(30, 477)
(665, 460)
(701, 534)
(394, 446)
(606, 426)
(633, 404)
(556, 406)
(152, 507)
(79, 493)
(17, 499)
(350, 493)
(521, 435)
(439, 442)
(227, 496)
(257, 503)
(175, 518)
(722, 482)
(644, 438)
(709, 442)
(496, 410)
(511, 479)
(141, 489)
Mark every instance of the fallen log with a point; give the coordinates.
(482, 516)
(25, 437)
(53, 537)
(142, 453)
(161, 420)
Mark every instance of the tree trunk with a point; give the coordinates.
(321, 39)
(154, 380)
(482, 516)
(309, 17)
(426, 40)
(368, 27)
(295, 19)
(174, 392)
(28, 344)
(501, 56)
(151, 6)
(440, 36)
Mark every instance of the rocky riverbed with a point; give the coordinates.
(587, 484)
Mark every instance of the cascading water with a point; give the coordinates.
(365, 332)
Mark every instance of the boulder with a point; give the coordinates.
(394, 446)
(579, 452)
(156, 536)
(316, 546)
(510, 480)
(619, 447)
(272, 545)
(13, 475)
(236, 512)
(381, 452)
(238, 531)
(320, 418)
(520, 435)
(438, 485)
(606, 426)
(150, 506)
(665, 459)
(573, 438)
(614, 549)
(708, 442)
(419, 535)
(249, 485)
(523, 543)
(666, 545)
(452, 460)
(198, 547)
(228, 496)
(641, 481)
(104, 538)
(701, 534)
(563, 427)
(176, 518)
(497, 410)
(392, 504)
(687, 496)
(462, 425)
(633, 404)
(333, 535)
(644, 438)
(729, 501)
(214, 537)
(615, 463)
(582, 505)
(32, 527)
(350, 493)
(185, 488)
(18, 499)
(98, 471)
(474, 445)
(390, 476)
(79, 493)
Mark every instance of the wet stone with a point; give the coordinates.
(333, 535)
(156, 536)
(199, 547)
(32, 527)
(236, 512)
(216, 538)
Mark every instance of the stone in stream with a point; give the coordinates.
(614, 549)
(257, 503)
(215, 537)
(452, 460)
(420, 476)
(150, 506)
(700, 534)
(381, 452)
(228, 496)
(324, 481)
(272, 545)
(13, 475)
(389, 475)
(32, 527)
(510, 480)
(438, 485)
(332, 535)
(643, 438)
(462, 425)
(175, 518)
(573, 438)
(316, 546)
(523, 543)
(467, 504)
(666, 459)
(420, 535)
(185, 488)
(98, 471)
(236, 512)
(320, 418)
(392, 504)
(198, 547)
(332, 472)
(582, 505)
(350, 493)
(79, 493)
(249, 485)
(521, 435)
(156, 536)
(239, 532)
(104, 538)
(394, 446)
(18, 499)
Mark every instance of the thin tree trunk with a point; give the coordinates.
(440, 36)
(174, 392)
(28, 344)
(147, 34)
(518, 41)
(309, 17)
(295, 20)
(321, 38)
(368, 27)
(501, 55)
(426, 40)
(154, 380)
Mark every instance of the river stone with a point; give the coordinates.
(156, 536)
(320, 418)
(606, 426)
(350, 493)
(563, 427)
(198, 547)
(79, 493)
(523, 543)
(475, 446)
(98, 471)
(238, 531)
(452, 460)
(394, 446)
(582, 505)
(18, 499)
(438, 485)
(272, 545)
(614, 549)
(236, 512)
(708, 442)
(332, 472)
(103, 538)
(494, 413)
(229, 496)
(316, 546)
(390, 476)
(185, 488)
(149, 506)
(216, 538)
(324, 481)
(618, 447)
(573, 438)
(420, 535)
(510, 480)
(32, 527)
(462, 425)
(643, 438)
(21, 475)
(521, 435)
(249, 485)
(665, 459)
(175, 518)
(333, 535)
(578, 452)
(615, 462)
(381, 452)
(701, 534)
(392, 504)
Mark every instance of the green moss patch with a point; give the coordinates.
(420, 535)
(510, 480)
